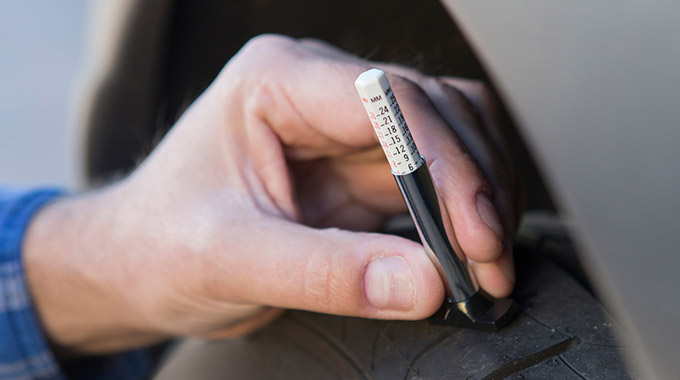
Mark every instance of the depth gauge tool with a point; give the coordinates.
(465, 304)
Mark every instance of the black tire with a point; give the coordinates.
(560, 332)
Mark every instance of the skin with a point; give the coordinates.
(256, 201)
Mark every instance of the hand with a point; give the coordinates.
(253, 202)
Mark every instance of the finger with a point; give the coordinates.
(494, 273)
(484, 106)
(465, 194)
(330, 271)
(498, 277)
(475, 127)
(488, 111)
(471, 112)
(470, 128)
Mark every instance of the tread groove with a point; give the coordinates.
(566, 363)
(434, 343)
(521, 310)
(310, 326)
(531, 360)
(375, 344)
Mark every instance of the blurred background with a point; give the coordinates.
(40, 54)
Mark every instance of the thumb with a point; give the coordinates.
(339, 272)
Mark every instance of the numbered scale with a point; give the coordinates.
(388, 122)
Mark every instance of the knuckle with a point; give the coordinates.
(454, 93)
(407, 90)
(483, 92)
(316, 282)
(262, 59)
(475, 91)
(315, 42)
(466, 174)
(267, 44)
(481, 88)
(257, 101)
(405, 85)
(330, 281)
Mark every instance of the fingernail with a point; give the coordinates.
(388, 284)
(489, 215)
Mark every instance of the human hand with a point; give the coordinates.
(253, 203)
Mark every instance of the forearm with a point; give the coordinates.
(81, 292)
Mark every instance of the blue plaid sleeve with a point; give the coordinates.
(24, 353)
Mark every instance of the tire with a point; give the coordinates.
(559, 332)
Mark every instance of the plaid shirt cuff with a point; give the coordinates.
(24, 352)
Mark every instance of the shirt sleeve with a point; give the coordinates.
(24, 352)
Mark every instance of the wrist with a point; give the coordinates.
(78, 290)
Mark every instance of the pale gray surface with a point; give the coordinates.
(40, 43)
(594, 86)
